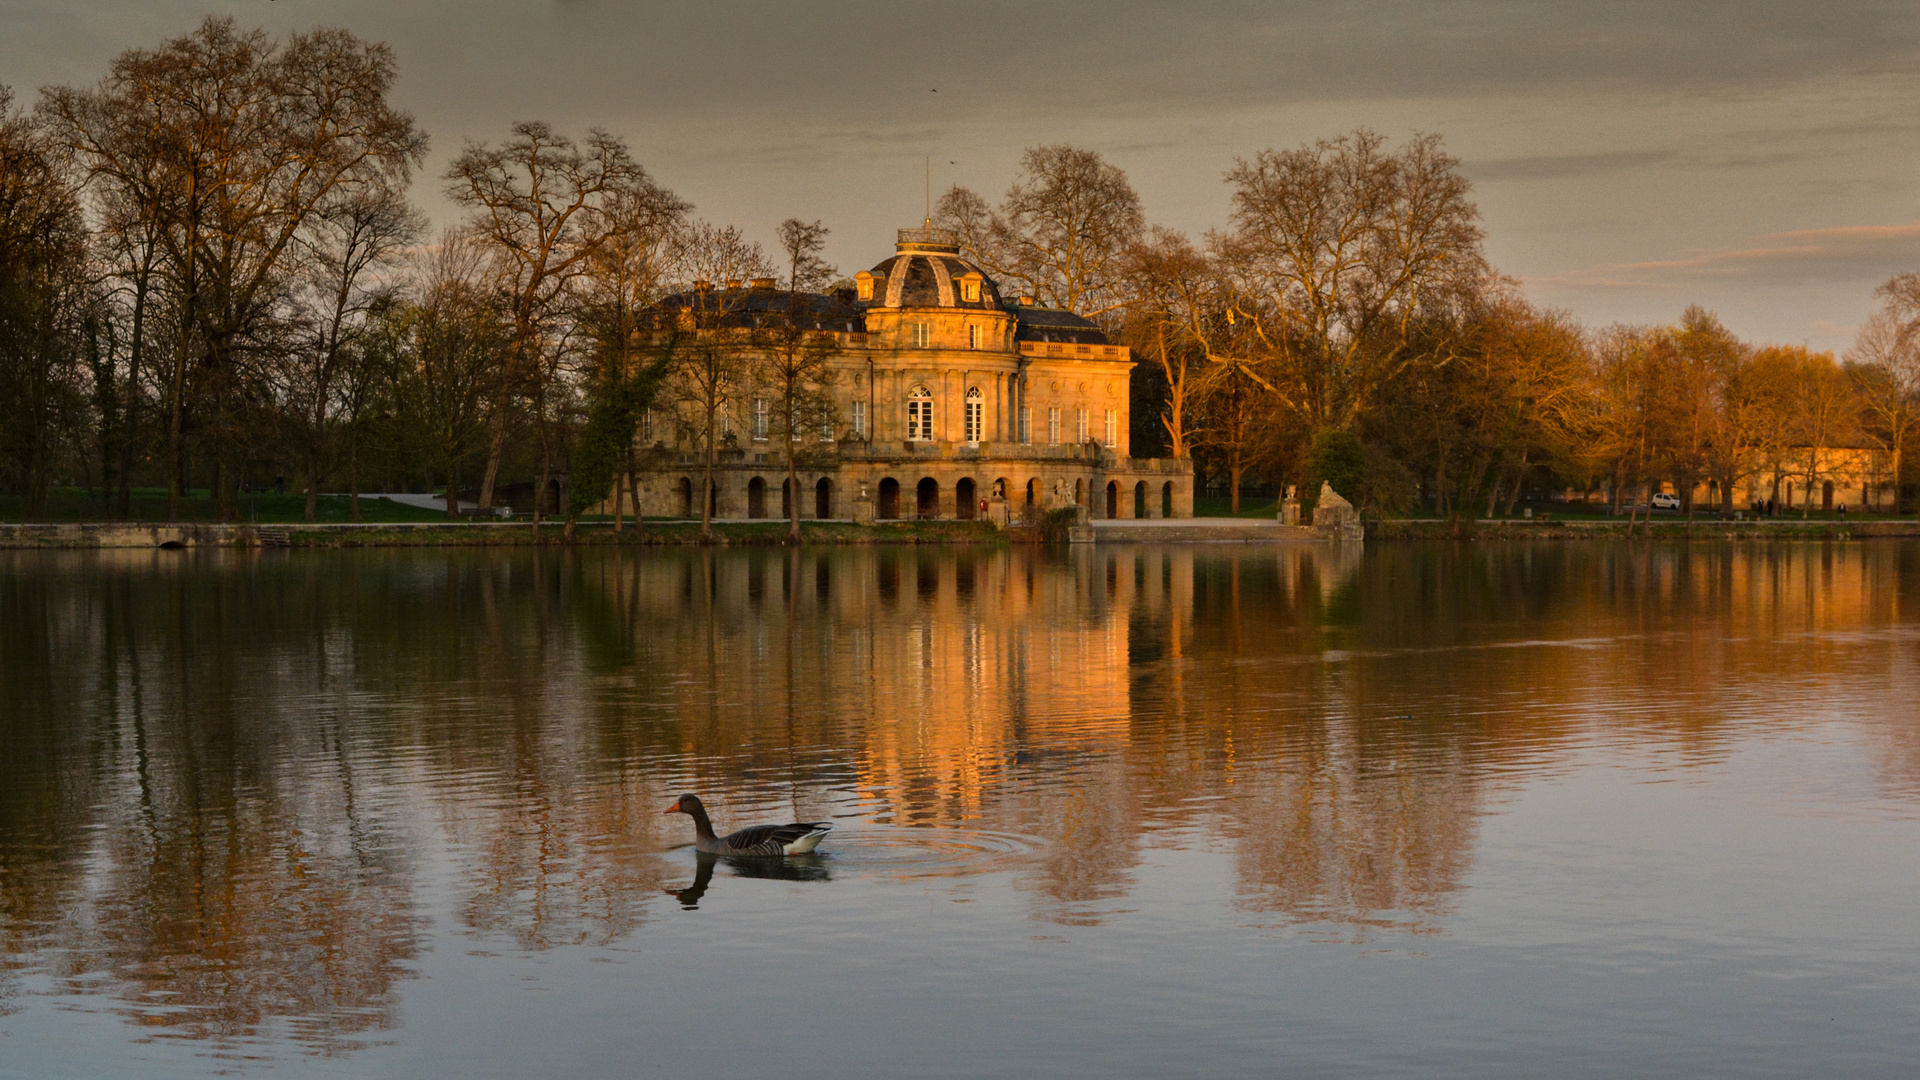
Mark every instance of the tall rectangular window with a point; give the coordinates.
(973, 337)
(760, 413)
(1113, 427)
(920, 418)
(1053, 426)
(976, 416)
(1026, 424)
(860, 418)
(826, 428)
(922, 334)
(1080, 425)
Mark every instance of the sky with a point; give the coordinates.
(1629, 158)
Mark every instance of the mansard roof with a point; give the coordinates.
(743, 307)
(1054, 324)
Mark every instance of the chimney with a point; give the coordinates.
(763, 283)
(733, 284)
(1026, 301)
(703, 285)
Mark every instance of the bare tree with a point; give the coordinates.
(717, 254)
(1234, 406)
(453, 335)
(545, 204)
(711, 367)
(1822, 413)
(47, 303)
(1335, 251)
(1885, 360)
(1177, 306)
(347, 245)
(628, 272)
(1062, 233)
(794, 356)
(236, 141)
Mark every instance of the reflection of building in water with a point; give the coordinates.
(1001, 689)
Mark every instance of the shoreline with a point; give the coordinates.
(124, 535)
(734, 533)
(1643, 529)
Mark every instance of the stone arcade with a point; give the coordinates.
(951, 402)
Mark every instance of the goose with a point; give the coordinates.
(796, 839)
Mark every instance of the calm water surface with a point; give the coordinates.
(1490, 810)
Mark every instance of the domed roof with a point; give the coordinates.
(927, 270)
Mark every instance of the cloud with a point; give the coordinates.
(1563, 166)
(1804, 255)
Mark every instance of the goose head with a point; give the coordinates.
(685, 804)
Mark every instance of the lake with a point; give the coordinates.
(1428, 810)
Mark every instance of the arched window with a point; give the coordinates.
(920, 415)
(976, 414)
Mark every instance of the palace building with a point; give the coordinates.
(950, 401)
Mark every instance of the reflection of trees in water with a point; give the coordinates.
(220, 863)
(220, 770)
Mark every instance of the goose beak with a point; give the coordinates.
(674, 809)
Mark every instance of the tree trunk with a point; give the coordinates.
(1519, 482)
(313, 484)
(453, 490)
(793, 491)
(176, 429)
(353, 471)
(496, 446)
(633, 490)
(1897, 501)
(132, 405)
(706, 496)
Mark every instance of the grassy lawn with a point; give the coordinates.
(150, 504)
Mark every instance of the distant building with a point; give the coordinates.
(1859, 478)
(1855, 477)
(951, 402)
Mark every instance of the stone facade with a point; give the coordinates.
(950, 402)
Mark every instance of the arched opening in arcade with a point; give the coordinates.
(756, 498)
(1113, 499)
(823, 499)
(889, 504)
(1166, 500)
(685, 489)
(929, 498)
(965, 506)
(1140, 499)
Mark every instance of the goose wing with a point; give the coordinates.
(776, 839)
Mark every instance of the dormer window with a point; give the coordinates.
(970, 287)
(863, 285)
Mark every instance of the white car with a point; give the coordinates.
(1666, 500)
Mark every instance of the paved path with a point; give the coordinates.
(425, 502)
